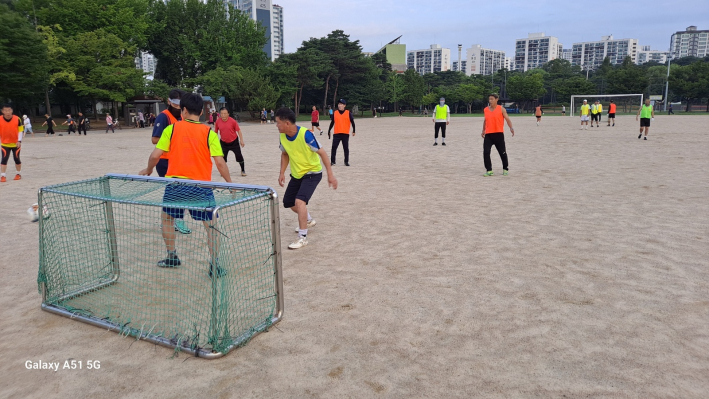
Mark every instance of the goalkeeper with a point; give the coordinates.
(190, 158)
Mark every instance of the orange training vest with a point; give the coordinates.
(612, 109)
(8, 130)
(538, 111)
(494, 121)
(189, 152)
(342, 122)
(172, 120)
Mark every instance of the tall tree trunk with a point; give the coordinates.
(300, 98)
(334, 94)
(327, 87)
(46, 102)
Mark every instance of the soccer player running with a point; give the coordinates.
(611, 113)
(646, 113)
(302, 152)
(538, 113)
(342, 120)
(585, 111)
(169, 117)
(315, 120)
(109, 123)
(230, 137)
(494, 134)
(11, 129)
(49, 121)
(441, 119)
(81, 124)
(191, 158)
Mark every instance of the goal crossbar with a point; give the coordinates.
(573, 97)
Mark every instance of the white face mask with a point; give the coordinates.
(442, 103)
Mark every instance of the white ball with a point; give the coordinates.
(32, 213)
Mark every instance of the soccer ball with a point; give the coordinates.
(33, 212)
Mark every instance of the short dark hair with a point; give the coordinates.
(192, 102)
(493, 95)
(223, 109)
(286, 114)
(7, 106)
(175, 94)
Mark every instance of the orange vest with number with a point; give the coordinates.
(189, 152)
(342, 122)
(494, 121)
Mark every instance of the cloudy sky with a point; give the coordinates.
(493, 24)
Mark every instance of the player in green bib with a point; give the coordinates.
(441, 119)
(301, 151)
(646, 113)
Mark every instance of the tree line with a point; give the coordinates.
(80, 52)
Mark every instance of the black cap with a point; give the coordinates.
(342, 101)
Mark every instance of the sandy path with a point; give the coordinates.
(583, 273)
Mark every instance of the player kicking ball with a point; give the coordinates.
(302, 152)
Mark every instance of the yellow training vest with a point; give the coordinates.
(441, 112)
(584, 109)
(302, 159)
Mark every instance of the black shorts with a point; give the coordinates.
(6, 151)
(611, 115)
(594, 117)
(644, 122)
(301, 189)
(315, 124)
(189, 195)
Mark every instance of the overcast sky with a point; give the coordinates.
(494, 24)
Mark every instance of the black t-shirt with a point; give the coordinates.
(82, 120)
(50, 121)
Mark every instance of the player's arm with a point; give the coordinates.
(152, 161)
(332, 123)
(653, 113)
(448, 115)
(509, 122)
(483, 132)
(222, 167)
(353, 124)
(215, 151)
(20, 132)
(331, 180)
(638, 114)
(284, 164)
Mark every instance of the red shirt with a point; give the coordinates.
(315, 116)
(227, 130)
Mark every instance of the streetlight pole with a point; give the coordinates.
(667, 83)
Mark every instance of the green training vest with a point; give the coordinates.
(302, 159)
(441, 112)
(646, 112)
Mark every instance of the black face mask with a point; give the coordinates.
(175, 112)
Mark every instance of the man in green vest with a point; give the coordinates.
(646, 113)
(301, 151)
(441, 119)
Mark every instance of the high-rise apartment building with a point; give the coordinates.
(463, 66)
(482, 61)
(566, 54)
(434, 59)
(590, 55)
(645, 54)
(690, 43)
(509, 63)
(146, 62)
(536, 50)
(270, 16)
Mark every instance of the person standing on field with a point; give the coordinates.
(230, 137)
(50, 124)
(646, 113)
(315, 120)
(342, 121)
(11, 130)
(611, 113)
(441, 119)
(585, 111)
(494, 134)
(538, 113)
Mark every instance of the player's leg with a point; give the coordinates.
(443, 133)
(3, 163)
(168, 235)
(225, 150)
(346, 148)
(307, 186)
(335, 143)
(487, 147)
(436, 129)
(239, 156)
(499, 142)
(18, 163)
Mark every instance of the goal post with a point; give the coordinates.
(101, 240)
(577, 100)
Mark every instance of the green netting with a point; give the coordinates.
(101, 240)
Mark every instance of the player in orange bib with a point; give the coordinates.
(11, 129)
(342, 121)
(494, 133)
(611, 113)
(538, 113)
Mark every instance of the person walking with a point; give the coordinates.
(494, 134)
(611, 112)
(441, 119)
(563, 110)
(230, 137)
(27, 124)
(538, 112)
(342, 121)
(109, 123)
(49, 121)
(315, 120)
(263, 116)
(669, 112)
(301, 152)
(646, 113)
(331, 114)
(11, 129)
(81, 124)
(71, 123)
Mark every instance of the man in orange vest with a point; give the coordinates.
(494, 133)
(342, 120)
(167, 118)
(192, 147)
(538, 113)
(11, 129)
(611, 113)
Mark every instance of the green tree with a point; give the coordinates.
(691, 82)
(526, 87)
(469, 93)
(627, 79)
(575, 85)
(413, 88)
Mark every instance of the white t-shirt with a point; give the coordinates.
(27, 122)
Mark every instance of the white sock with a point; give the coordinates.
(18, 172)
(2, 174)
(302, 232)
(443, 140)
(309, 218)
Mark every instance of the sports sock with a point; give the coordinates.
(172, 254)
(2, 174)
(309, 217)
(303, 232)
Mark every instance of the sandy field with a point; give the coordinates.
(582, 274)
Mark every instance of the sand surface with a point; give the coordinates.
(585, 273)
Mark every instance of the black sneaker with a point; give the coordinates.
(170, 261)
(646, 138)
(347, 164)
(435, 143)
(443, 143)
(640, 135)
(332, 164)
(216, 270)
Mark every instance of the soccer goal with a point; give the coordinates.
(101, 239)
(625, 103)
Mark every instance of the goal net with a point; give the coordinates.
(625, 103)
(101, 241)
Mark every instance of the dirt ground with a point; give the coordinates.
(582, 274)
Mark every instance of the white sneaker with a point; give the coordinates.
(310, 224)
(302, 241)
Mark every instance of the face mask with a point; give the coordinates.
(175, 112)
(442, 103)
